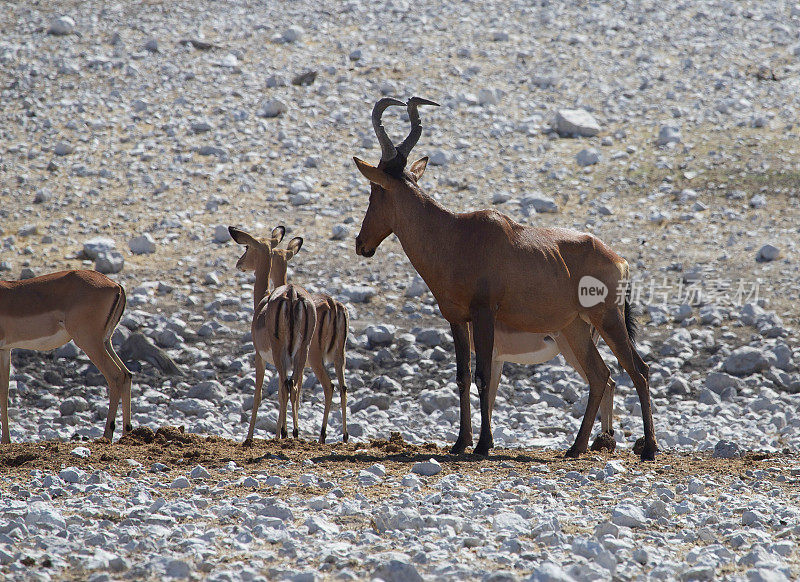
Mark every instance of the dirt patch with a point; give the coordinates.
(173, 452)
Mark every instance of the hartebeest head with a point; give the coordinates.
(389, 175)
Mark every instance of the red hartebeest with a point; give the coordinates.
(485, 269)
(46, 312)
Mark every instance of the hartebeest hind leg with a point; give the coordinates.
(464, 382)
(605, 440)
(578, 335)
(483, 338)
(5, 378)
(613, 330)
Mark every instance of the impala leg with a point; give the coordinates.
(5, 378)
(483, 338)
(342, 395)
(578, 335)
(126, 388)
(256, 399)
(294, 397)
(614, 332)
(318, 366)
(114, 375)
(461, 343)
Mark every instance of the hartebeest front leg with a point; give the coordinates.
(483, 338)
(5, 378)
(463, 380)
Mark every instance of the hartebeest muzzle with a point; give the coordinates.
(361, 250)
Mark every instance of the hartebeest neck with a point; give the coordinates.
(425, 230)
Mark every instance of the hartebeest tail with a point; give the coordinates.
(484, 268)
(330, 336)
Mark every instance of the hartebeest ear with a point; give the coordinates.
(277, 236)
(418, 168)
(240, 236)
(293, 247)
(373, 174)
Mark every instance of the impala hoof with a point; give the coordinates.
(247, 442)
(345, 437)
(295, 433)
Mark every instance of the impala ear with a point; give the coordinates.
(277, 236)
(294, 247)
(240, 237)
(373, 174)
(418, 167)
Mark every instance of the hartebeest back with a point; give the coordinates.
(46, 312)
(330, 335)
(483, 268)
(283, 324)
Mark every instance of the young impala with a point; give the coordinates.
(330, 335)
(46, 312)
(283, 324)
(489, 271)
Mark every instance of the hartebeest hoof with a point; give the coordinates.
(573, 452)
(460, 446)
(483, 448)
(604, 442)
(247, 443)
(645, 452)
(295, 433)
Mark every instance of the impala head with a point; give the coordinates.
(280, 261)
(257, 251)
(389, 175)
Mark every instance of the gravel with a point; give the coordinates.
(131, 142)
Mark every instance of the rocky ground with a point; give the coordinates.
(133, 134)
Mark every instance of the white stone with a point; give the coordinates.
(576, 123)
(428, 468)
(587, 157)
(109, 262)
(272, 108)
(199, 472)
(94, 246)
(668, 134)
(81, 452)
(221, 234)
(142, 245)
(61, 26)
(628, 515)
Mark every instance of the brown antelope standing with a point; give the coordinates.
(330, 335)
(283, 324)
(484, 268)
(46, 312)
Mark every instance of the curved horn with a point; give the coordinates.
(388, 150)
(416, 125)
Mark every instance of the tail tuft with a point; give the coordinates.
(630, 320)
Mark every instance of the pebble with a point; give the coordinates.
(576, 123)
(109, 262)
(726, 450)
(587, 157)
(428, 468)
(61, 26)
(768, 253)
(272, 108)
(142, 245)
(668, 134)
